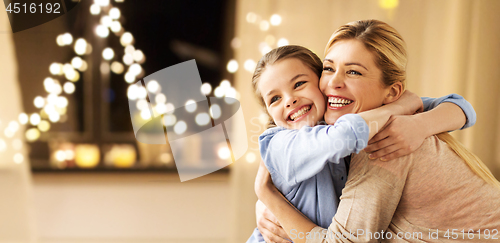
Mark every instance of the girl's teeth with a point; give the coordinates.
(300, 112)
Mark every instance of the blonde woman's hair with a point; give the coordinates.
(389, 49)
(306, 56)
(383, 41)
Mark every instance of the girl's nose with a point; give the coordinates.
(291, 101)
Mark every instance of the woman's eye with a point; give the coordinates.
(353, 72)
(274, 99)
(328, 69)
(299, 84)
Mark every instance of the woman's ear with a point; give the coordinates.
(394, 92)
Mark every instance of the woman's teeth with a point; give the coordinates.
(300, 112)
(338, 102)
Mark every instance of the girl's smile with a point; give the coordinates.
(291, 94)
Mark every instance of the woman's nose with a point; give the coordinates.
(336, 82)
(291, 101)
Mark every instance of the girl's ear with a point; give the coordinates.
(394, 92)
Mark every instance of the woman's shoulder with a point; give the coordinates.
(397, 169)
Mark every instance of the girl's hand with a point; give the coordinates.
(410, 103)
(268, 225)
(401, 136)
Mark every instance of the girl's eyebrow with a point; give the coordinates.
(348, 64)
(291, 80)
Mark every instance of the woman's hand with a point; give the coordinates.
(268, 225)
(410, 102)
(401, 136)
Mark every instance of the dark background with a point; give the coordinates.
(98, 110)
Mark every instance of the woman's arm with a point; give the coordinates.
(297, 155)
(404, 134)
(367, 205)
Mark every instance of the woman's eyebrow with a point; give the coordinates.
(357, 64)
(347, 64)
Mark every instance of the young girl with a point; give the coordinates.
(286, 83)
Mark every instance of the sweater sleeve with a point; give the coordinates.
(470, 113)
(297, 155)
(368, 201)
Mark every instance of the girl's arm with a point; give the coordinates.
(297, 155)
(404, 134)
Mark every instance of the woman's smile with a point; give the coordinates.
(338, 102)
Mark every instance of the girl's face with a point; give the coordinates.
(351, 80)
(291, 94)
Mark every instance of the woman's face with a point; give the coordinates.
(351, 80)
(291, 94)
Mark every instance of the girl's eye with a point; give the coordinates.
(274, 99)
(353, 72)
(299, 84)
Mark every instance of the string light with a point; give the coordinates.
(102, 31)
(282, 42)
(224, 153)
(250, 157)
(108, 53)
(160, 98)
(202, 119)
(44, 126)
(180, 127)
(80, 46)
(190, 106)
(18, 158)
(264, 25)
(95, 9)
(77, 62)
(114, 13)
(250, 65)
(116, 26)
(126, 39)
(232, 66)
(39, 102)
(206, 88)
(275, 20)
(23, 118)
(69, 88)
(117, 67)
(53, 106)
(215, 111)
(169, 120)
(67, 38)
(251, 17)
(153, 86)
(106, 21)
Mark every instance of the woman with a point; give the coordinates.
(383, 201)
